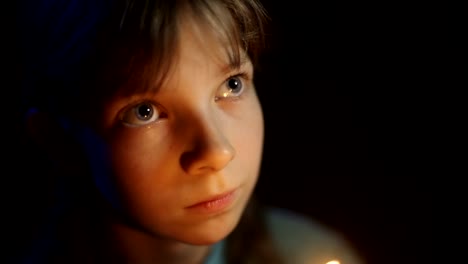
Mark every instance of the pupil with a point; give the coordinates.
(144, 111)
(233, 83)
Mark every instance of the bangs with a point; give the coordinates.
(88, 51)
(145, 48)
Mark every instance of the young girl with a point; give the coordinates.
(148, 114)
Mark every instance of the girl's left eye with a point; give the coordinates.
(232, 88)
(140, 114)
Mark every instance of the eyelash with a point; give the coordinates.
(131, 111)
(244, 77)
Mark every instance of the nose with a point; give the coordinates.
(209, 149)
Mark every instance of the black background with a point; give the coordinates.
(338, 88)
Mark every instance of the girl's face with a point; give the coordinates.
(185, 159)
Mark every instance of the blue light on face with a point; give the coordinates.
(98, 156)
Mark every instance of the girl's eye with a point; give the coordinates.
(140, 114)
(232, 88)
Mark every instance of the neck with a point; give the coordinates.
(122, 243)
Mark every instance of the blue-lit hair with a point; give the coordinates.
(76, 52)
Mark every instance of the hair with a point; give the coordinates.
(81, 52)
(77, 52)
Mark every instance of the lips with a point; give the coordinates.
(216, 203)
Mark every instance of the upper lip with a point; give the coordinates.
(213, 198)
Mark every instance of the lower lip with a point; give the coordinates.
(215, 206)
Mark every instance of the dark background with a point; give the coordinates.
(338, 87)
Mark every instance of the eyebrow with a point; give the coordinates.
(232, 65)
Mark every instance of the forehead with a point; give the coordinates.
(197, 37)
(210, 32)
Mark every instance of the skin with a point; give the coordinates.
(206, 141)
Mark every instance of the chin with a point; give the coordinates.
(213, 231)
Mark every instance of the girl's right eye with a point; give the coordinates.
(140, 114)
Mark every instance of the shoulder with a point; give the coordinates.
(301, 239)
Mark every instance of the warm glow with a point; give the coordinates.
(333, 262)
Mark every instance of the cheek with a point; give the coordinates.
(137, 156)
(137, 153)
(98, 154)
(250, 140)
(255, 126)
(249, 136)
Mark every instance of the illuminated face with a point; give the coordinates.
(185, 158)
